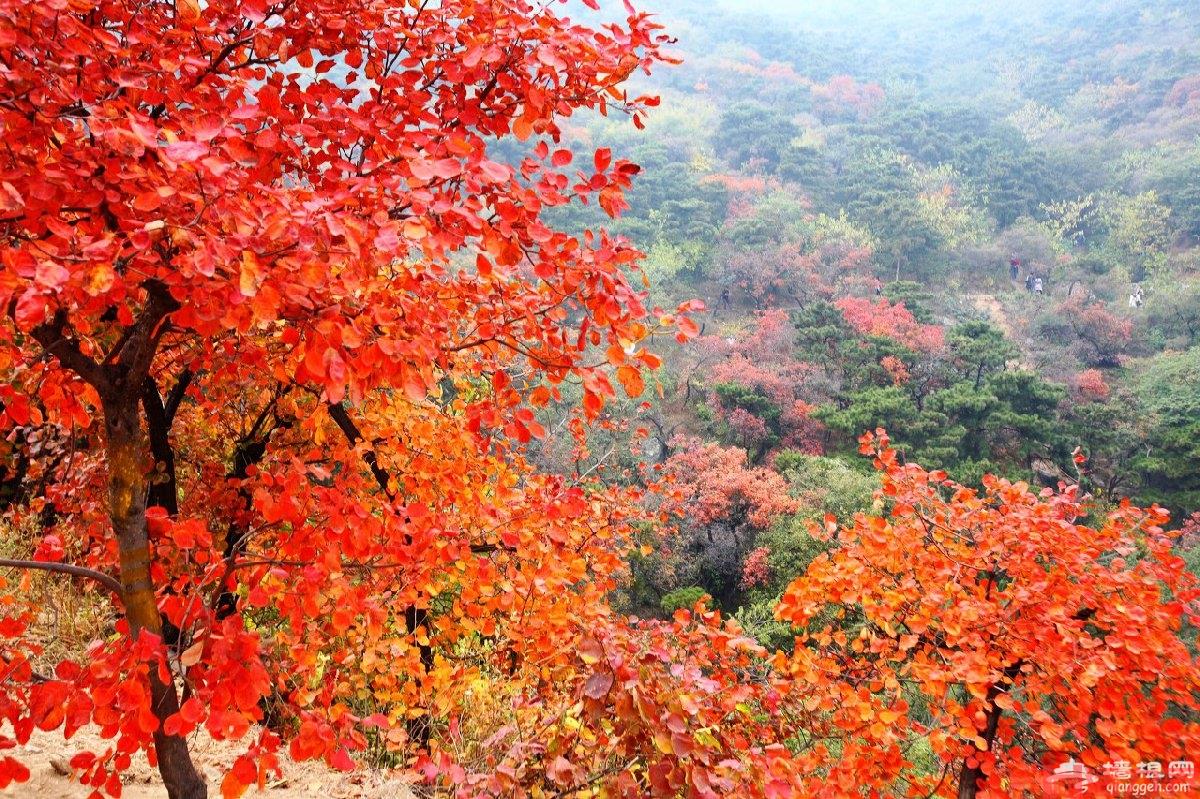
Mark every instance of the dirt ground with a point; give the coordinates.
(47, 756)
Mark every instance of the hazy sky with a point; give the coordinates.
(760, 5)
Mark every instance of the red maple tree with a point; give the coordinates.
(260, 268)
(891, 320)
(997, 626)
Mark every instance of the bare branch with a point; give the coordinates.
(354, 435)
(66, 568)
(339, 415)
(171, 404)
(55, 341)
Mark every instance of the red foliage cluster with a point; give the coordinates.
(748, 428)
(675, 686)
(762, 361)
(1189, 532)
(743, 184)
(1102, 336)
(779, 275)
(778, 382)
(771, 338)
(793, 272)
(1032, 638)
(801, 432)
(844, 95)
(894, 321)
(896, 369)
(263, 259)
(1185, 92)
(756, 570)
(717, 484)
(1091, 385)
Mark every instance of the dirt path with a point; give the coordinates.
(988, 304)
(47, 756)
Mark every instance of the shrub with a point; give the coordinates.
(685, 598)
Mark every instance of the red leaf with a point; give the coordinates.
(185, 151)
(12, 771)
(192, 711)
(561, 771)
(592, 403)
(342, 761)
(147, 201)
(598, 684)
(631, 380)
(496, 173)
(522, 128)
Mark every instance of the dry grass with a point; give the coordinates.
(71, 611)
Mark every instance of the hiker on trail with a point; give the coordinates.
(878, 287)
(1135, 297)
(1014, 268)
(1029, 282)
(1037, 285)
(725, 297)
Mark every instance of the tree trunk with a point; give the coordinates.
(968, 779)
(969, 776)
(127, 509)
(414, 617)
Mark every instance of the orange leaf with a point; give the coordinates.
(631, 379)
(522, 128)
(188, 11)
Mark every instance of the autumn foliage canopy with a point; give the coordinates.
(996, 628)
(277, 318)
(281, 320)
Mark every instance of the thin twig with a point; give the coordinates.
(66, 568)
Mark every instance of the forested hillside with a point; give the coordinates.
(985, 243)
(567, 399)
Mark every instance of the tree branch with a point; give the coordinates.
(354, 435)
(163, 487)
(66, 568)
(173, 400)
(56, 342)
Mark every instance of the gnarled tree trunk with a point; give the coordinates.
(125, 447)
(120, 379)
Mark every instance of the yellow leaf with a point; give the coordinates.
(414, 230)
